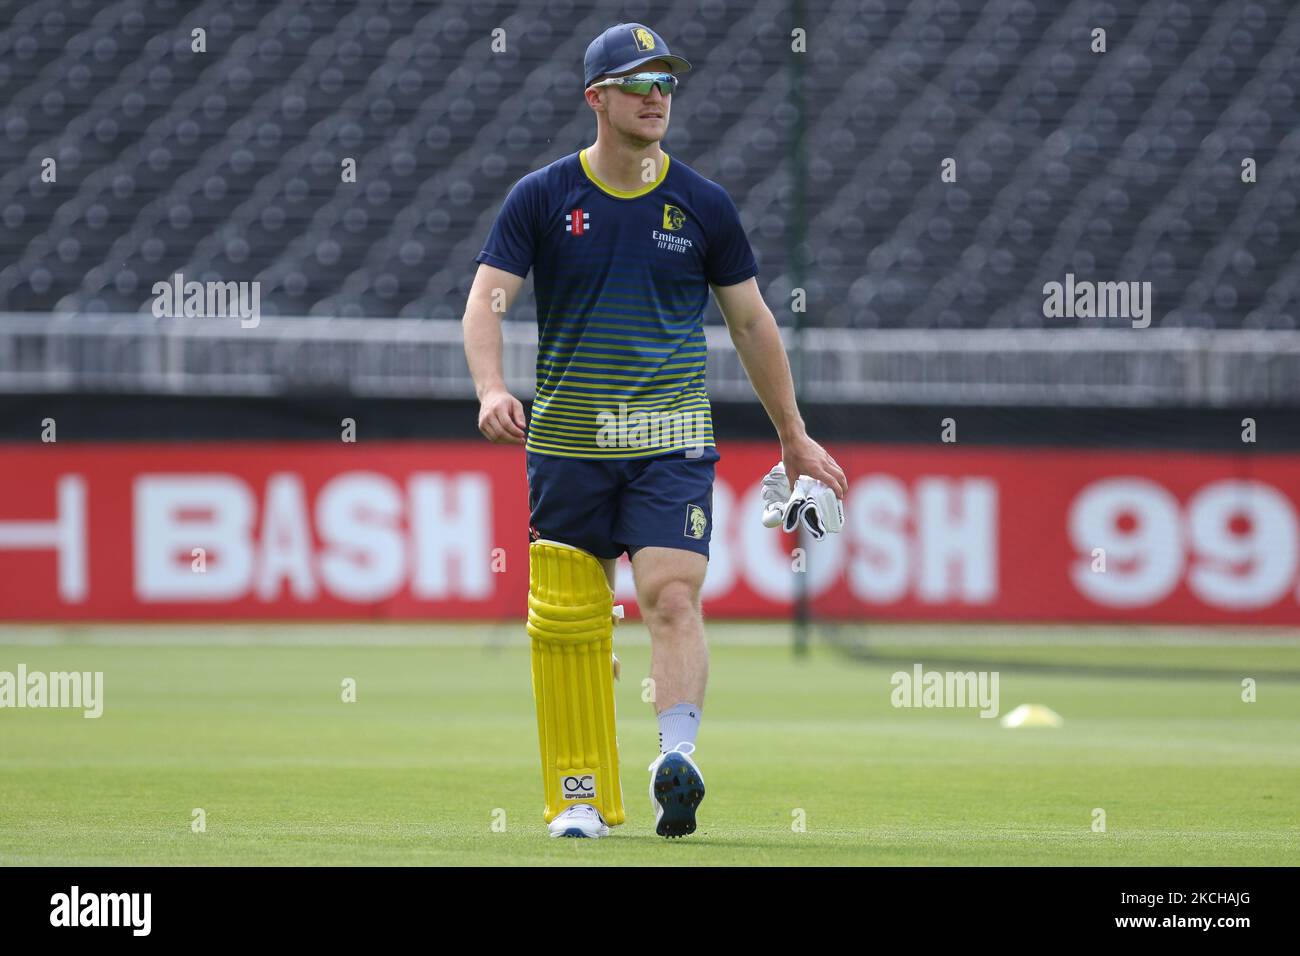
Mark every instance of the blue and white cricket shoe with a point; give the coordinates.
(676, 789)
(580, 820)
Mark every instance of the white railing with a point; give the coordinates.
(425, 358)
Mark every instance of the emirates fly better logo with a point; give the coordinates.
(674, 219)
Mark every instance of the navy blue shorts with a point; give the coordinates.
(608, 507)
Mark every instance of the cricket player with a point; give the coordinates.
(624, 243)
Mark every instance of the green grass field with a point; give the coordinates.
(247, 723)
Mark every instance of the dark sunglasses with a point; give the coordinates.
(641, 83)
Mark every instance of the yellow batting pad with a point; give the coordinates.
(571, 624)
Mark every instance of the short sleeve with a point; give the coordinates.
(729, 258)
(512, 242)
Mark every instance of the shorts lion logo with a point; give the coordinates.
(674, 218)
(696, 522)
(644, 39)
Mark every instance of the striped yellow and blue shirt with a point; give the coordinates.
(621, 279)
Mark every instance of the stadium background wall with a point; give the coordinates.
(1031, 515)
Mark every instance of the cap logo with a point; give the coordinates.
(644, 39)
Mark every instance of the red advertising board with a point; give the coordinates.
(417, 530)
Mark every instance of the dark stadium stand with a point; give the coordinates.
(226, 164)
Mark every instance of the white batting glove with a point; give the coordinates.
(776, 496)
(821, 512)
(810, 501)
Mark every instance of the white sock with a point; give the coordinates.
(678, 723)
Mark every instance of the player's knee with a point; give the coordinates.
(673, 603)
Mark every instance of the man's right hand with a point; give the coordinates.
(501, 418)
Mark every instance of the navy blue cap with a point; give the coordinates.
(626, 46)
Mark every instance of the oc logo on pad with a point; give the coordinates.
(579, 786)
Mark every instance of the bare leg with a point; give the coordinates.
(668, 582)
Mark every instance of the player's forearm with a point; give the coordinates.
(762, 353)
(482, 329)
